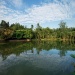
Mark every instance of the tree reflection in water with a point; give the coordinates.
(50, 57)
(16, 48)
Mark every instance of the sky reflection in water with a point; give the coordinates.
(42, 58)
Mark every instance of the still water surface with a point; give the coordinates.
(37, 58)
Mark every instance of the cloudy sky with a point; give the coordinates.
(48, 13)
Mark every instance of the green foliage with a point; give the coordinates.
(6, 33)
(17, 31)
(62, 25)
(23, 34)
(16, 26)
(4, 24)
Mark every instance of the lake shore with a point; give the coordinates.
(28, 40)
(20, 40)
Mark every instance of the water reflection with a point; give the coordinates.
(37, 58)
(62, 48)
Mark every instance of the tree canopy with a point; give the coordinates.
(18, 31)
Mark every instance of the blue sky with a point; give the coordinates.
(48, 13)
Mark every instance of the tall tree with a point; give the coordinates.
(4, 24)
(32, 27)
(62, 25)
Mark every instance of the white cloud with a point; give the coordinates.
(45, 13)
(17, 3)
(48, 12)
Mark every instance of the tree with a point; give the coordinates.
(32, 27)
(6, 33)
(38, 31)
(16, 26)
(63, 30)
(62, 25)
(4, 24)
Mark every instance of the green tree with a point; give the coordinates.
(16, 26)
(32, 27)
(62, 25)
(4, 24)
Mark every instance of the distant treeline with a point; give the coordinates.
(18, 31)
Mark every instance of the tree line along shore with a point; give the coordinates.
(17, 31)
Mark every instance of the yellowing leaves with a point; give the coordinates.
(7, 32)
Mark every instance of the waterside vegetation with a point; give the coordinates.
(18, 32)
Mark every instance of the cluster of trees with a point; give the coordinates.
(14, 31)
(61, 33)
(17, 31)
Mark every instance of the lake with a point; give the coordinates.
(37, 58)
